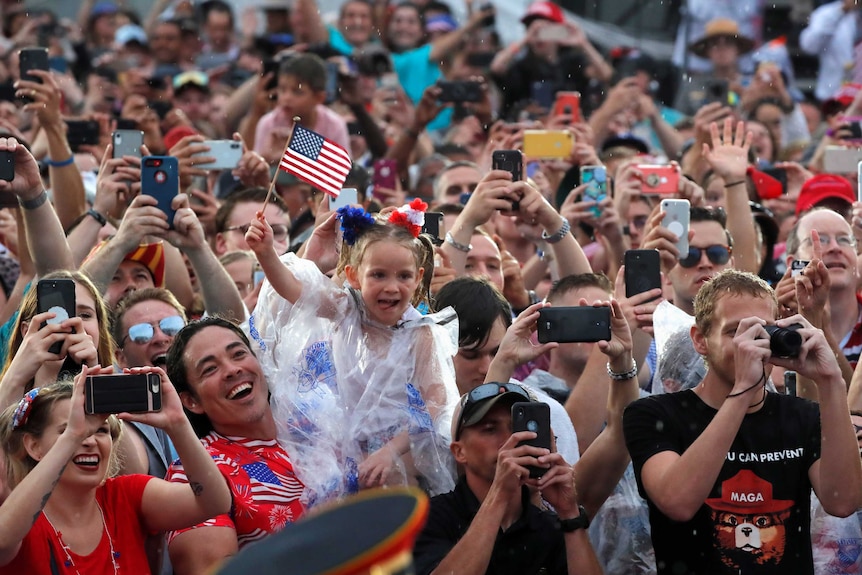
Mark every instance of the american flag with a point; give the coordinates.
(316, 161)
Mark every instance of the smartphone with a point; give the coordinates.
(789, 383)
(227, 154)
(127, 143)
(432, 227)
(841, 160)
(58, 296)
(160, 108)
(480, 59)
(553, 33)
(126, 124)
(779, 174)
(160, 178)
(257, 275)
(32, 59)
(7, 167)
(548, 144)
(385, 174)
(511, 161)
(270, 65)
(460, 91)
(82, 133)
(643, 271)
(533, 416)
(854, 126)
(663, 179)
(568, 104)
(596, 179)
(574, 324)
(796, 267)
(347, 197)
(58, 64)
(542, 93)
(676, 220)
(123, 392)
(716, 90)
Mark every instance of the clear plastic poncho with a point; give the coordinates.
(344, 386)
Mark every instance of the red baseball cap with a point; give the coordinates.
(823, 187)
(545, 10)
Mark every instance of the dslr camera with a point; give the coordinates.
(784, 341)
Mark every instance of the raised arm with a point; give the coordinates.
(259, 239)
(315, 29)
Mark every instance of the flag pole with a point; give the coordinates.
(269, 192)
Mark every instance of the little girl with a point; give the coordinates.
(362, 384)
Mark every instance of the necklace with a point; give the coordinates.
(69, 562)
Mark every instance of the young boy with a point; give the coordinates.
(301, 92)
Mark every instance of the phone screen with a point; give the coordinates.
(347, 197)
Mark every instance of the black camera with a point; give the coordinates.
(784, 341)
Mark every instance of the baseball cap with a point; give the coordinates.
(103, 8)
(478, 402)
(841, 99)
(191, 79)
(130, 33)
(824, 187)
(152, 256)
(544, 10)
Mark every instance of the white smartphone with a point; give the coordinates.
(841, 160)
(127, 143)
(347, 197)
(227, 154)
(676, 220)
(859, 182)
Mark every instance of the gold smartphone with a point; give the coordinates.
(551, 144)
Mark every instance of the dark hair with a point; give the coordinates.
(257, 195)
(711, 214)
(211, 6)
(577, 281)
(479, 305)
(437, 6)
(178, 371)
(308, 69)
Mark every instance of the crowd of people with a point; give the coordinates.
(308, 351)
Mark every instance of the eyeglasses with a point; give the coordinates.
(638, 222)
(457, 189)
(279, 231)
(142, 333)
(843, 240)
(717, 254)
(470, 400)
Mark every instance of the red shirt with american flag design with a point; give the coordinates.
(266, 492)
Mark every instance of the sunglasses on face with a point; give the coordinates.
(719, 255)
(142, 333)
(485, 391)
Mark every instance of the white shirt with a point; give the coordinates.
(830, 35)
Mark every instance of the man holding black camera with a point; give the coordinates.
(727, 468)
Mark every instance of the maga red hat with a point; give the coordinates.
(823, 187)
(746, 493)
(544, 10)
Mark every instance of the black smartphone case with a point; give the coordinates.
(574, 324)
(7, 166)
(643, 271)
(533, 416)
(131, 393)
(511, 161)
(56, 293)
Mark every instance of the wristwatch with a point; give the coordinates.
(582, 521)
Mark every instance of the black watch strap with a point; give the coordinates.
(582, 521)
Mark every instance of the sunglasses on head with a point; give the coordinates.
(470, 400)
(142, 333)
(717, 254)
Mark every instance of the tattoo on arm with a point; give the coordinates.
(197, 488)
(48, 493)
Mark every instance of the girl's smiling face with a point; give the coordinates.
(387, 278)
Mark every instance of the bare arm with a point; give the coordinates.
(315, 28)
(259, 239)
(197, 551)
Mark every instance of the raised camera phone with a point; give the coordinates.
(460, 91)
(841, 160)
(257, 274)
(596, 180)
(574, 324)
(643, 271)
(676, 220)
(347, 197)
(82, 133)
(32, 59)
(7, 171)
(716, 90)
(554, 33)
(796, 267)
(127, 124)
(659, 179)
(123, 393)
(385, 174)
(432, 227)
(227, 154)
(533, 416)
(568, 104)
(58, 296)
(127, 143)
(789, 383)
(270, 66)
(160, 178)
(160, 108)
(548, 144)
(779, 174)
(511, 161)
(542, 94)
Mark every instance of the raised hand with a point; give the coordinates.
(728, 156)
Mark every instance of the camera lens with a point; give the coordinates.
(784, 341)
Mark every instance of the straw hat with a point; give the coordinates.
(721, 28)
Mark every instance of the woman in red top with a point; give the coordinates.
(66, 514)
